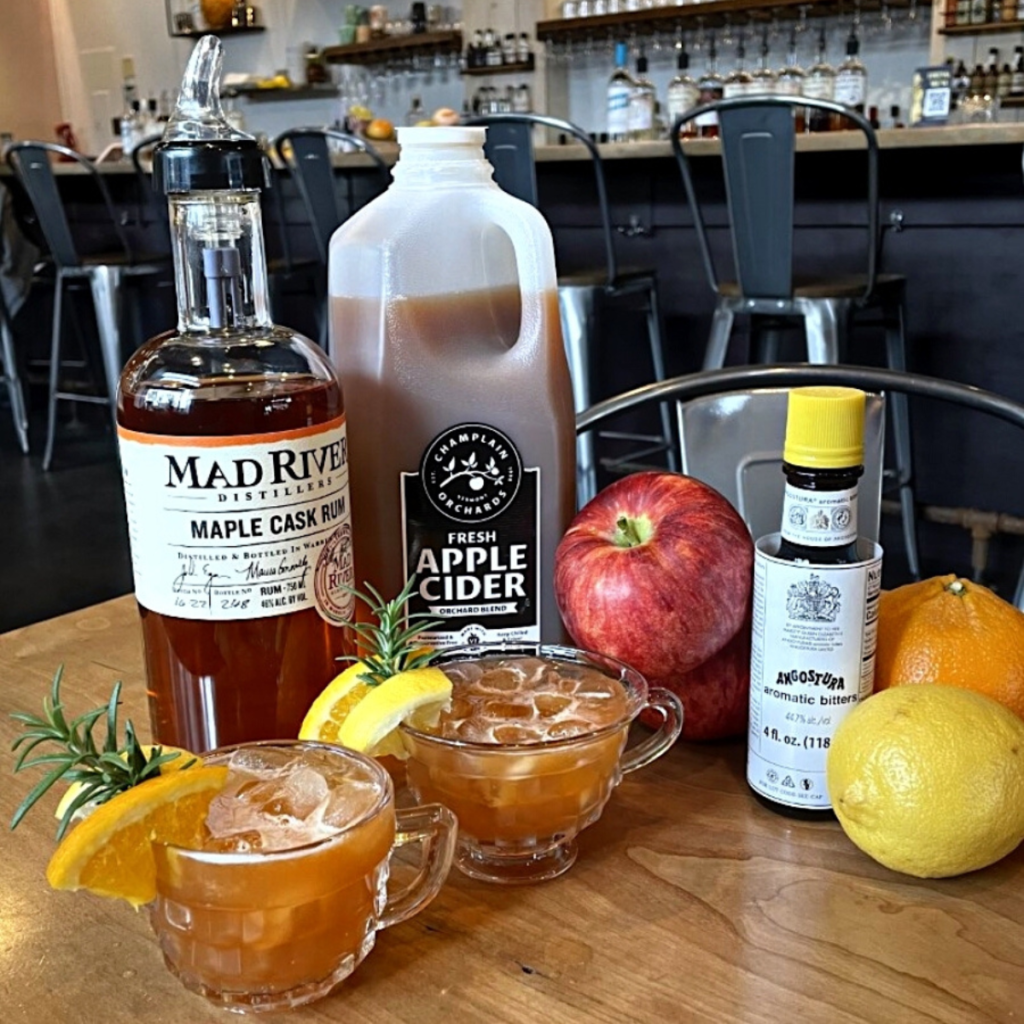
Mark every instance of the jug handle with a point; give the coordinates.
(535, 259)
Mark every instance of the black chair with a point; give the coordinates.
(745, 379)
(758, 136)
(509, 148)
(306, 152)
(105, 272)
(9, 376)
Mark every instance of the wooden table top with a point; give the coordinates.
(689, 902)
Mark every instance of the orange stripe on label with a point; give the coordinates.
(233, 440)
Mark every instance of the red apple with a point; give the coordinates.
(715, 694)
(656, 571)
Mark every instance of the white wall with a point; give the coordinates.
(91, 37)
(29, 101)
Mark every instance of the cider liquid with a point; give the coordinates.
(411, 369)
(218, 683)
(249, 930)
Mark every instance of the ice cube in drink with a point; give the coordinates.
(526, 756)
(282, 900)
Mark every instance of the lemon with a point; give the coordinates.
(324, 718)
(184, 758)
(110, 853)
(929, 780)
(354, 714)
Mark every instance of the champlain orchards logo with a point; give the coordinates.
(471, 473)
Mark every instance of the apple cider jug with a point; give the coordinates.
(445, 333)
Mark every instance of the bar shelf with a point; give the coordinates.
(712, 14)
(378, 50)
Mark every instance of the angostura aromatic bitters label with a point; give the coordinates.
(471, 537)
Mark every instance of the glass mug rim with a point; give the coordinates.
(235, 857)
(638, 690)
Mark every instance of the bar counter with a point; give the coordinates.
(821, 142)
(689, 902)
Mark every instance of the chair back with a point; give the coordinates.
(309, 162)
(733, 442)
(30, 162)
(758, 139)
(509, 149)
(750, 378)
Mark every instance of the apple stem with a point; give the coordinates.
(631, 533)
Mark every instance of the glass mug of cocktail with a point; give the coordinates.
(529, 751)
(290, 886)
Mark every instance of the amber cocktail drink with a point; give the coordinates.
(529, 752)
(286, 896)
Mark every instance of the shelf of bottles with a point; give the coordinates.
(516, 68)
(387, 48)
(710, 14)
(980, 17)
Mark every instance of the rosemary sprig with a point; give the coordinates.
(103, 771)
(389, 646)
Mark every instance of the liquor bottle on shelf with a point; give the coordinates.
(977, 87)
(508, 49)
(763, 79)
(852, 76)
(415, 113)
(1008, 9)
(524, 52)
(738, 81)
(234, 459)
(790, 81)
(133, 128)
(522, 99)
(710, 88)
(620, 88)
(475, 56)
(492, 49)
(979, 12)
(642, 101)
(815, 605)
(1017, 77)
(820, 84)
(1004, 82)
(129, 88)
(683, 93)
(991, 82)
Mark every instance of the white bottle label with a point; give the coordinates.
(471, 538)
(244, 527)
(681, 98)
(618, 109)
(819, 87)
(641, 112)
(850, 88)
(812, 661)
(820, 519)
(732, 89)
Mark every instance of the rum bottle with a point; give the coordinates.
(618, 93)
(820, 84)
(683, 94)
(235, 461)
(815, 607)
(710, 87)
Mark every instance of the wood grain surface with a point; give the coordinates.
(689, 902)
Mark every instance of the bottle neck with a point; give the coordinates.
(820, 507)
(220, 267)
(450, 165)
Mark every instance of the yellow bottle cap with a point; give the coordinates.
(825, 428)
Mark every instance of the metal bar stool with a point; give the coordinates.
(758, 135)
(104, 273)
(509, 148)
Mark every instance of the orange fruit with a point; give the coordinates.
(953, 632)
(110, 853)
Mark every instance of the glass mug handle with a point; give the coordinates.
(436, 828)
(670, 708)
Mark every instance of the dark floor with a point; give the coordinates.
(64, 541)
